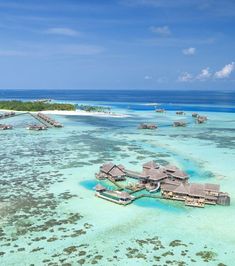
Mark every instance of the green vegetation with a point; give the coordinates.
(90, 108)
(35, 106)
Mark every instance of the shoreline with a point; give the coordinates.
(73, 113)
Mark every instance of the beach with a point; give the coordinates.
(73, 113)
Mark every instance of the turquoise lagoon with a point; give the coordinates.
(50, 216)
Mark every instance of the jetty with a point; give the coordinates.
(45, 120)
(168, 181)
(48, 120)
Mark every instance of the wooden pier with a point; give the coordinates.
(48, 120)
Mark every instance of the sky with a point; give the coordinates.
(117, 44)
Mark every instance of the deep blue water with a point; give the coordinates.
(215, 101)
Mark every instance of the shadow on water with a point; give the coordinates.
(168, 206)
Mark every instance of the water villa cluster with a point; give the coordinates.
(48, 120)
(162, 182)
(45, 121)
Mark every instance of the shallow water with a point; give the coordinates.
(50, 216)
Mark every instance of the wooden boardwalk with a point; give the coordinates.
(40, 120)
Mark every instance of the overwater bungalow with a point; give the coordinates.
(147, 126)
(178, 175)
(37, 127)
(160, 110)
(110, 170)
(201, 119)
(119, 197)
(180, 113)
(7, 115)
(156, 176)
(195, 195)
(150, 165)
(49, 120)
(169, 168)
(179, 124)
(171, 180)
(5, 127)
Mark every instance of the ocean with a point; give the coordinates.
(48, 209)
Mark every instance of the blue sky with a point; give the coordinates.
(117, 44)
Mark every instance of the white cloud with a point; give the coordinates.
(189, 51)
(225, 71)
(148, 77)
(185, 77)
(62, 31)
(164, 30)
(205, 74)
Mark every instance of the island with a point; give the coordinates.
(36, 106)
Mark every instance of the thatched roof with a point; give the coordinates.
(124, 195)
(179, 174)
(122, 167)
(168, 187)
(151, 165)
(196, 190)
(99, 187)
(212, 187)
(171, 168)
(156, 174)
(182, 189)
(106, 167)
(170, 181)
(112, 169)
(115, 171)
